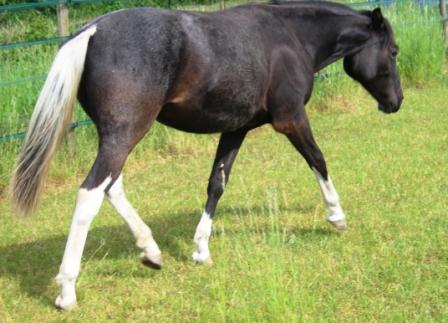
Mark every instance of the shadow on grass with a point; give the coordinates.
(35, 264)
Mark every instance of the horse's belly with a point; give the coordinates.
(210, 119)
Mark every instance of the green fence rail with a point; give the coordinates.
(23, 80)
(25, 6)
(45, 41)
(21, 135)
(48, 4)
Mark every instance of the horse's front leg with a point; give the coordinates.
(228, 147)
(296, 127)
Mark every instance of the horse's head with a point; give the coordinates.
(375, 65)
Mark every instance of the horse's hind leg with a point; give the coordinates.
(228, 147)
(88, 203)
(151, 255)
(116, 142)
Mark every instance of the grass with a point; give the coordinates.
(275, 257)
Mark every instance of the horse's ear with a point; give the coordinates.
(377, 19)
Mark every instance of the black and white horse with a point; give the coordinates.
(228, 72)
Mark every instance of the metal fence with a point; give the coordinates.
(62, 5)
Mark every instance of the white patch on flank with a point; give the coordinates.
(223, 176)
(203, 232)
(140, 230)
(331, 198)
(88, 205)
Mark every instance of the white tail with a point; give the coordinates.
(51, 115)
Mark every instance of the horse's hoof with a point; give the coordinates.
(340, 225)
(203, 259)
(66, 304)
(153, 261)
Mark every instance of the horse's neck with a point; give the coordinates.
(327, 40)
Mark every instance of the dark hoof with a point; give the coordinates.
(154, 264)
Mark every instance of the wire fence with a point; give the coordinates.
(21, 135)
(46, 4)
(45, 41)
(56, 40)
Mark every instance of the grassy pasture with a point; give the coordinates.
(275, 257)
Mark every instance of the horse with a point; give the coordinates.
(225, 72)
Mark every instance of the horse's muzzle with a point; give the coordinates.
(391, 107)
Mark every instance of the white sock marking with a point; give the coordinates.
(201, 237)
(140, 230)
(88, 205)
(223, 176)
(331, 198)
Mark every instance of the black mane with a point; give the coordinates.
(335, 8)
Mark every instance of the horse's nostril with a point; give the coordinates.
(400, 96)
(395, 103)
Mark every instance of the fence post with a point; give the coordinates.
(64, 30)
(442, 6)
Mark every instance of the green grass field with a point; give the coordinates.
(275, 257)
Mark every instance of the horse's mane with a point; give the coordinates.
(334, 8)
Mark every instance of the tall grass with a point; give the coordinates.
(420, 37)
